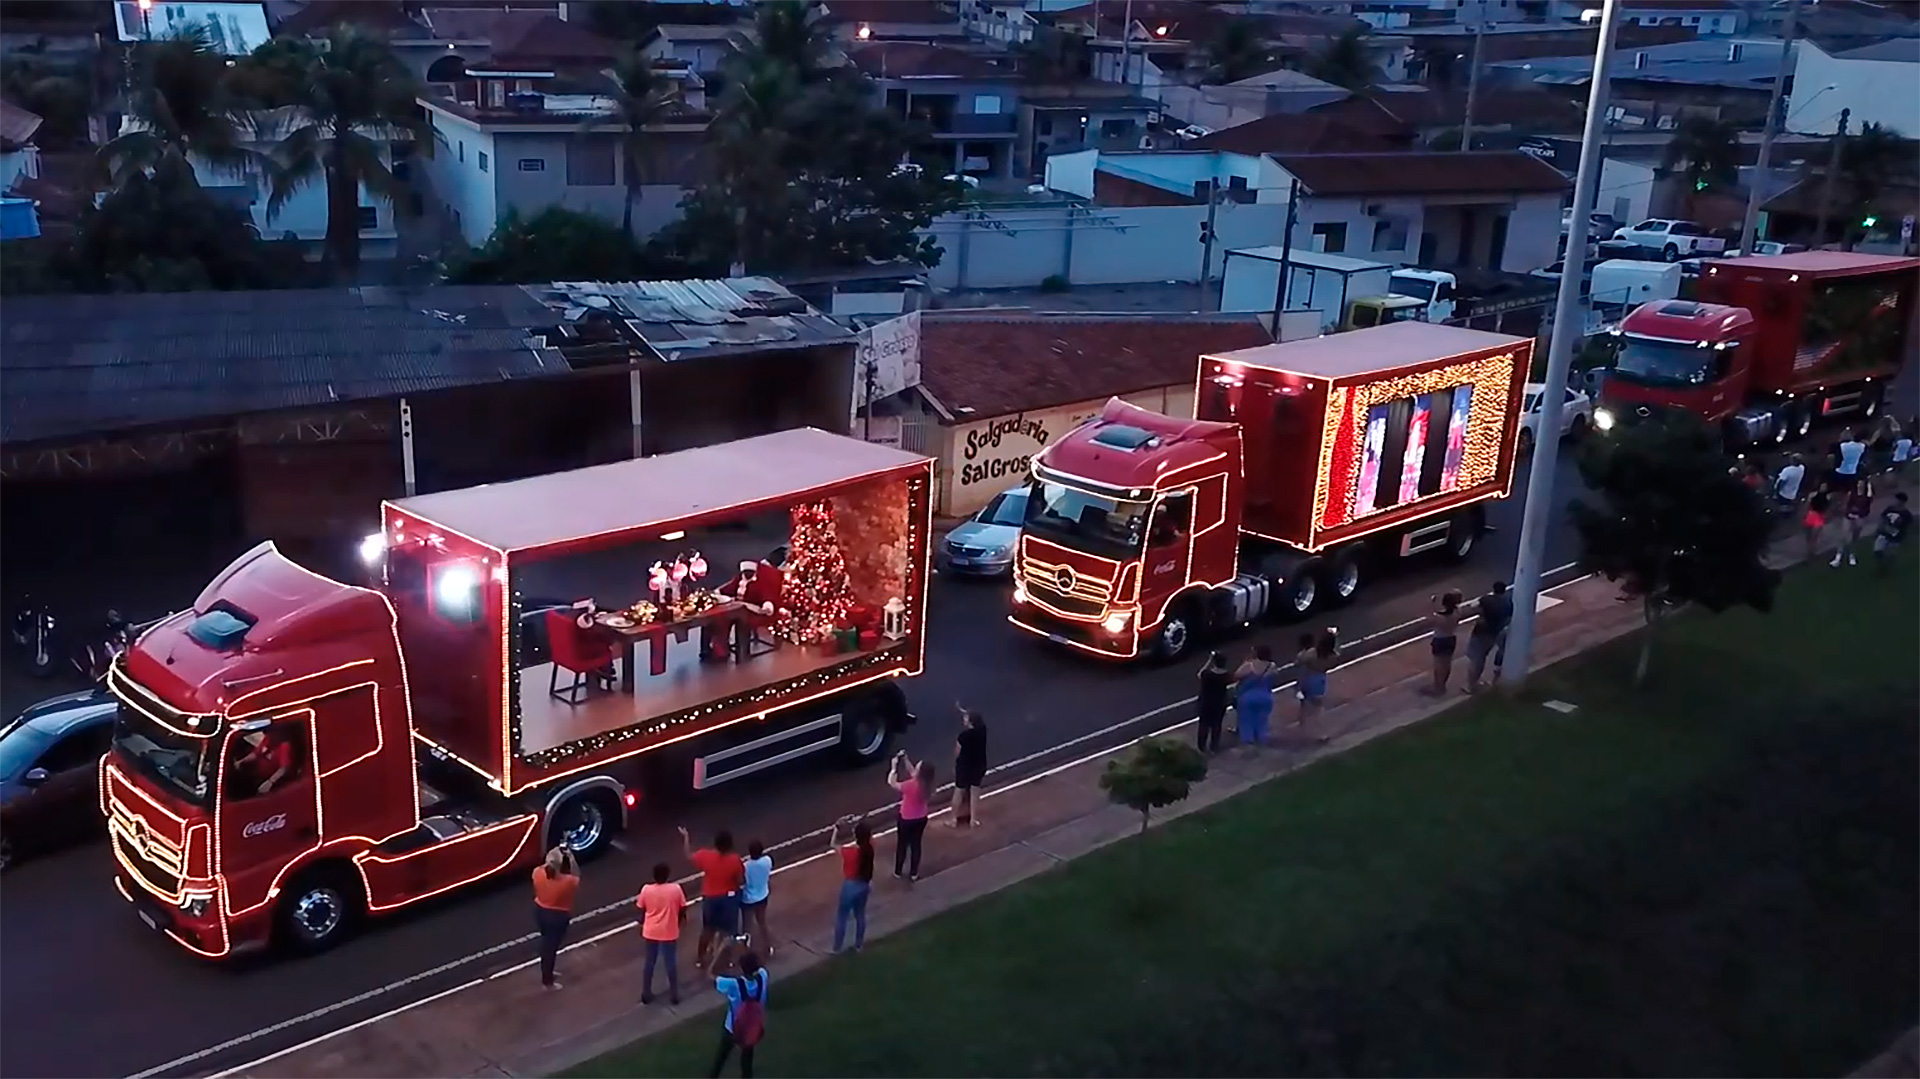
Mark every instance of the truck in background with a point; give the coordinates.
(1334, 287)
(1310, 466)
(294, 753)
(1774, 344)
(1620, 284)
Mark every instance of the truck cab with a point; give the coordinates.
(1381, 310)
(1438, 290)
(1679, 354)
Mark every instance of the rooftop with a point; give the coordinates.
(1302, 133)
(1824, 263)
(17, 125)
(74, 366)
(1424, 172)
(684, 320)
(977, 366)
(1316, 260)
(664, 490)
(1370, 351)
(1750, 63)
(1537, 110)
(916, 60)
(1905, 50)
(536, 39)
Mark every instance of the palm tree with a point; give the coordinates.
(1868, 163)
(1239, 52)
(752, 138)
(180, 109)
(354, 98)
(642, 100)
(1706, 151)
(1346, 62)
(790, 32)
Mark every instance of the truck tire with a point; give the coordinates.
(1303, 592)
(865, 735)
(1523, 445)
(1177, 631)
(1671, 253)
(585, 824)
(1346, 574)
(321, 909)
(1463, 533)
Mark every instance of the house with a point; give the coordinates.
(1437, 54)
(1005, 21)
(1501, 120)
(1728, 78)
(1357, 131)
(1635, 182)
(703, 47)
(895, 20)
(968, 100)
(1156, 45)
(1719, 18)
(1098, 116)
(19, 154)
(1839, 25)
(1003, 386)
(517, 132)
(1234, 103)
(1877, 84)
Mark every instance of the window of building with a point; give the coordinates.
(460, 149)
(1330, 237)
(986, 103)
(589, 164)
(533, 164)
(369, 218)
(483, 161)
(1390, 234)
(1116, 129)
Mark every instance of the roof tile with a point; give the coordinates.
(1426, 172)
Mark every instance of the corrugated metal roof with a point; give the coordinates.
(684, 320)
(73, 366)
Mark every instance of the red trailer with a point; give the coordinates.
(1311, 465)
(294, 752)
(1773, 345)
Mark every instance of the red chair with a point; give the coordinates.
(589, 658)
(769, 587)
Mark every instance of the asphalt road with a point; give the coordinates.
(86, 990)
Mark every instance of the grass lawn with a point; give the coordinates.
(1713, 876)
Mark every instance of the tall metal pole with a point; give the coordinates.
(1286, 256)
(1567, 323)
(1751, 221)
(1206, 242)
(406, 447)
(1826, 190)
(1126, 43)
(1473, 80)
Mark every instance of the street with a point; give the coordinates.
(79, 963)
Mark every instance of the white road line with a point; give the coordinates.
(623, 904)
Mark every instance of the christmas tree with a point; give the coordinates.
(817, 593)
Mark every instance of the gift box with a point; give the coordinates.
(848, 637)
(863, 616)
(869, 638)
(829, 644)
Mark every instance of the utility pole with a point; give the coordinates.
(1750, 222)
(1473, 79)
(1826, 190)
(1286, 256)
(1126, 43)
(1206, 242)
(1534, 521)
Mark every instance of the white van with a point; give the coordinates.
(1629, 283)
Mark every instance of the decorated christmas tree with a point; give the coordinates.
(817, 591)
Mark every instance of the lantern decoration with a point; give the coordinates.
(893, 619)
(659, 583)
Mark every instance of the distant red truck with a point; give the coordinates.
(1773, 345)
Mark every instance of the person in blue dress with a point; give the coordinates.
(1253, 695)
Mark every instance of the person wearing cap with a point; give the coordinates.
(757, 587)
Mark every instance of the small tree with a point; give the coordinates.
(1158, 773)
(555, 244)
(1672, 523)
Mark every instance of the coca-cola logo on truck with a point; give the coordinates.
(262, 827)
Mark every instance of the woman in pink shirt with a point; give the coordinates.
(914, 781)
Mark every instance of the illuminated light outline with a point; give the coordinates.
(457, 758)
(1132, 642)
(299, 860)
(233, 714)
(225, 944)
(118, 682)
(370, 855)
(388, 504)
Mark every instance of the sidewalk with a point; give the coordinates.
(505, 1024)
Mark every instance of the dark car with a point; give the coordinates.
(49, 764)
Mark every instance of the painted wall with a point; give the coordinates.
(982, 458)
(1625, 190)
(456, 178)
(1878, 91)
(1018, 248)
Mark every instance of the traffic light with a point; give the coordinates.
(1869, 221)
(1700, 184)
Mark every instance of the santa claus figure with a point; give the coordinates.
(757, 585)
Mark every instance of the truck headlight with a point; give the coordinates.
(1116, 622)
(1019, 592)
(1603, 419)
(195, 905)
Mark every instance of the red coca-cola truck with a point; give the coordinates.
(1310, 466)
(1773, 345)
(293, 753)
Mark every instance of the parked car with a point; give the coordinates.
(982, 545)
(1767, 247)
(1673, 239)
(1576, 416)
(49, 773)
(1598, 224)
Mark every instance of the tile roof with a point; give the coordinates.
(384, 16)
(910, 59)
(536, 37)
(1306, 133)
(1540, 111)
(996, 365)
(1425, 172)
(686, 320)
(74, 366)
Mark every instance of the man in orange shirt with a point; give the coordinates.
(663, 909)
(722, 872)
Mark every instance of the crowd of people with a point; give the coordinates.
(1841, 488)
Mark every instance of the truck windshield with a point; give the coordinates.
(1402, 285)
(1665, 363)
(1086, 522)
(176, 761)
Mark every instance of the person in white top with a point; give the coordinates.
(1786, 485)
(1849, 455)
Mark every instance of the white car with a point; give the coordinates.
(1673, 239)
(1576, 416)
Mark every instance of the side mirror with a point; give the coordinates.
(34, 777)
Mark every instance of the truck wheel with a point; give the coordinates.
(1175, 635)
(1346, 575)
(1671, 254)
(585, 824)
(1463, 533)
(1302, 593)
(321, 909)
(865, 736)
(1524, 444)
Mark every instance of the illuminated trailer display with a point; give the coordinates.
(294, 753)
(1310, 466)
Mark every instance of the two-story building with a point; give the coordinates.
(1068, 119)
(1717, 18)
(968, 100)
(1876, 84)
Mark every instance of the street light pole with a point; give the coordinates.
(1749, 223)
(1566, 328)
(1826, 190)
(1473, 80)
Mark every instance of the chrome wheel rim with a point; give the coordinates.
(1304, 592)
(587, 825)
(318, 913)
(1173, 637)
(1348, 581)
(869, 734)
(1465, 546)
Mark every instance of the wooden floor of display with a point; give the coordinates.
(547, 722)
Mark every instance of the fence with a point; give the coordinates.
(1019, 247)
